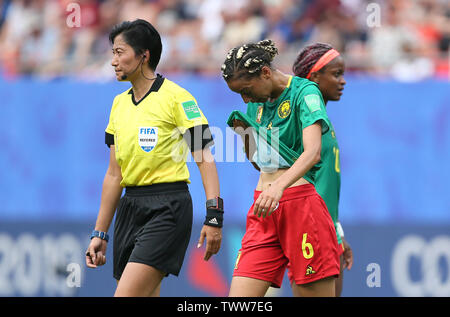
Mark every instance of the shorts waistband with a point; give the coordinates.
(155, 189)
(294, 192)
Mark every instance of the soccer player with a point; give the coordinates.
(288, 221)
(147, 127)
(324, 65)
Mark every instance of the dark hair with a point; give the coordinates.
(248, 60)
(141, 36)
(308, 57)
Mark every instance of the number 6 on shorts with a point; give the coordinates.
(307, 248)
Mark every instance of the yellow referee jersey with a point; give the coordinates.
(148, 135)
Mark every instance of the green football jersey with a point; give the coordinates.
(328, 177)
(299, 106)
(325, 175)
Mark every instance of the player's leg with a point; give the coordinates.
(139, 280)
(260, 262)
(157, 291)
(340, 279)
(248, 287)
(257, 268)
(309, 242)
(320, 288)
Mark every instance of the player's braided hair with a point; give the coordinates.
(248, 60)
(308, 57)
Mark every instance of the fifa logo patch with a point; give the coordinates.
(313, 102)
(284, 109)
(309, 270)
(148, 138)
(191, 110)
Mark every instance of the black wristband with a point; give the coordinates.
(214, 217)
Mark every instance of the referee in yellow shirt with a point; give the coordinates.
(150, 128)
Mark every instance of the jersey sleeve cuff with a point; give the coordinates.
(109, 139)
(198, 137)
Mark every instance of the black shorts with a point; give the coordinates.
(153, 226)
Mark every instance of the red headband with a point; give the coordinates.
(325, 59)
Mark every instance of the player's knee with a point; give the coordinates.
(325, 287)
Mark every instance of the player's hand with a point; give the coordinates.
(249, 144)
(348, 255)
(239, 126)
(213, 237)
(96, 253)
(268, 201)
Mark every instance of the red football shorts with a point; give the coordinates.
(300, 232)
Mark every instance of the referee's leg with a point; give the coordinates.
(139, 280)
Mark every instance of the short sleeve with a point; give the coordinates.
(312, 108)
(187, 112)
(110, 129)
(191, 122)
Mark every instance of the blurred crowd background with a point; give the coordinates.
(407, 40)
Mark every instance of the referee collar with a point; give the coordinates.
(154, 88)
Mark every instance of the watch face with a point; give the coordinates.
(216, 203)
